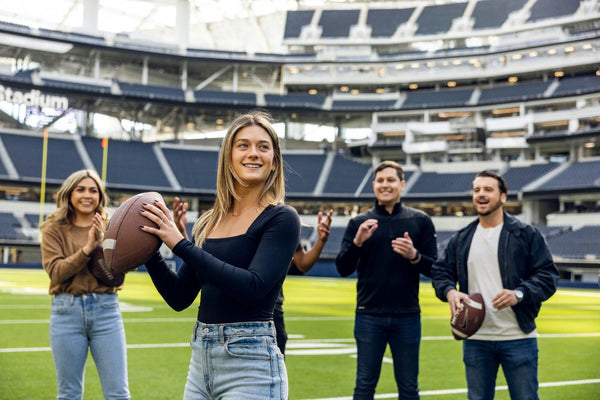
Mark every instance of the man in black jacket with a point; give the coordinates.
(509, 263)
(389, 246)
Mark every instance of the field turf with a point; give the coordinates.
(321, 354)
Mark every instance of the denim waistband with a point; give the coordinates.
(72, 297)
(230, 329)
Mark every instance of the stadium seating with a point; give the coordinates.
(438, 18)
(577, 244)
(225, 98)
(518, 177)
(26, 154)
(131, 164)
(294, 22)
(345, 176)
(9, 227)
(544, 9)
(337, 23)
(194, 169)
(571, 86)
(490, 14)
(510, 93)
(437, 99)
(385, 22)
(295, 100)
(302, 172)
(579, 175)
(151, 91)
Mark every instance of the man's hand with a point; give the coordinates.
(404, 246)
(365, 230)
(505, 298)
(455, 299)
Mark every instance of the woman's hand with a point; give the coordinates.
(180, 216)
(95, 234)
(166, 229)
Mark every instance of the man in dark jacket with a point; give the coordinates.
(389, 246)
(509, 263)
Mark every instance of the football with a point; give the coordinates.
(468, 320)
(98, 268)
(126, 246)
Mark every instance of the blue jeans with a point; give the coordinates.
(372, 334)
(519, 360)
(236, 361)
(88, 321)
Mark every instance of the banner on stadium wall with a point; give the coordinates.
(33, 98)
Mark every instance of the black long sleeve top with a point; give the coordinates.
(387, 282)
(239, 277)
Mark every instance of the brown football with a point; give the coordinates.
(126, 246)
(467, 321)
(98, 268)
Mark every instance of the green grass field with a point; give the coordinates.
(321, 356)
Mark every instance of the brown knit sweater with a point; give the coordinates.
(66, 264)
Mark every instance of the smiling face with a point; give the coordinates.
(487, 198)
(387, 187)
(252, 156)
(85, 198)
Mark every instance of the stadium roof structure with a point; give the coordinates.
(253, 26)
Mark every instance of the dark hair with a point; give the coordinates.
(390, 164)
(501, 182)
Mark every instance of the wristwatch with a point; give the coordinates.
(519, 295)
(416, 258)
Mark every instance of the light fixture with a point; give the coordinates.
(312, 91)
(513, 79)
(344, 89)
(559, 74)
(413, 86)
(451, 84)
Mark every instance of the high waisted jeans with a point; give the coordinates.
(88, 321)
(236, 361)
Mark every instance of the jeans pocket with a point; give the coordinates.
(108, 301)
(247, 347)
(62, 304)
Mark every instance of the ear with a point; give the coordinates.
(503, 198)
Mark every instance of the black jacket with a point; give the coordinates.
(525, 264)
(387, 282)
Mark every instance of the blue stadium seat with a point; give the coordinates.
(295, 20)
(346, 176)
(131, 164)
(491, 14)
(151, 91)
(439, 98)
(337, 23)
(578, 244)
(227, 98)
(194, 169)
(438, 18)
(302, 172)
(518, 177)
(516, 92)
(295, 100)
(572, 86)
(385, 22)
(26, 154)
(9, 227)
(579, 175)
(543, 9)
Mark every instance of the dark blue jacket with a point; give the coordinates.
(525, 264)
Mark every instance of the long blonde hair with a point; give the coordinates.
(65, 213)
(273, 189)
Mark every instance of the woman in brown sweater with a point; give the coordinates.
(85, 313)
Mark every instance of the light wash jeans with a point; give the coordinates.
(235, 361)
(519, 360)
(88, 321)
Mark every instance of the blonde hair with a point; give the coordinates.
(65, 213)
(273, 189)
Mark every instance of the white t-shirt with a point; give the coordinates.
(484, 278)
